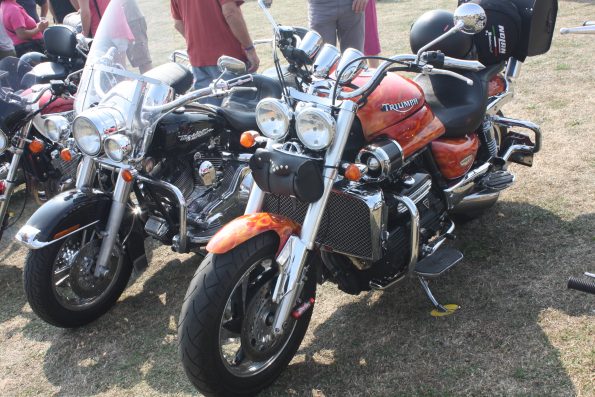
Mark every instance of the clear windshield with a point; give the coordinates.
(111, 77)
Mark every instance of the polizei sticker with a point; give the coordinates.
(402, 107)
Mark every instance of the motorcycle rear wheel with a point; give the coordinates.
(224, 330)
(60, 285)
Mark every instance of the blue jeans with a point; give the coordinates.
(203, 76)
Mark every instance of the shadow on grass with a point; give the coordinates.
(517, 260)
(134, 342)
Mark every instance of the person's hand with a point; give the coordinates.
(42, 25)
(253, 60)
(359, 6)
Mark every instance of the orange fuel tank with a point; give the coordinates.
(397, 110)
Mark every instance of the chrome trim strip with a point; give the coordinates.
(27, 237)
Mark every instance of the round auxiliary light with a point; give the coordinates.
(272, 117)
(315, 128)
(117, 147)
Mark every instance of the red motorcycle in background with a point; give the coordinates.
(586, 282)
(360, 182)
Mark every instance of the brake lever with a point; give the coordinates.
(430, 70)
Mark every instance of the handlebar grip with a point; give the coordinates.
(582, 284)
(462, 64)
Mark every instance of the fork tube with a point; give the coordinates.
(84, 177)
(10, 181)
(116, 214)
(312, 220)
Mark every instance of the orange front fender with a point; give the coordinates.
(245, 227)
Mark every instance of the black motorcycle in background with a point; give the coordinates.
(586, 282)
(36, 109)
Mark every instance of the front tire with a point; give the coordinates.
(229, 299)
(50, 280)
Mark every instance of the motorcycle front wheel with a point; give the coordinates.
(60, 283)
(225, 330)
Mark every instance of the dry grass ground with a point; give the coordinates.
(519, 333)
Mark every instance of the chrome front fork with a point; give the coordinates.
(10, 181)
(116, 214)
(292, 258)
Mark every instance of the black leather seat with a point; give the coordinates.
(43, 73)
(460, 107)
(238, 109)
(176, 76)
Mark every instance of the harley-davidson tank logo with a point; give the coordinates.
(195, 135)
(401, 107)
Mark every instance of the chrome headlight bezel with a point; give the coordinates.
(312, 139)
(55, 128)
(3, 142)
(101, 121)
(120, 149)
(282, 113)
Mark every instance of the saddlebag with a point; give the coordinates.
(288, 174)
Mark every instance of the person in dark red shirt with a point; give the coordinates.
(213, 28)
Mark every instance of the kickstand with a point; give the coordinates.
(440, 310)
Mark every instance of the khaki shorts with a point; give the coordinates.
(138, 52)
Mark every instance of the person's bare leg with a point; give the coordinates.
(374, 63)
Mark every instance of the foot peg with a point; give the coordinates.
(497, 180)
(432, 267)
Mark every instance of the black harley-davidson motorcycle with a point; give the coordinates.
(359, 184)
(156, 163)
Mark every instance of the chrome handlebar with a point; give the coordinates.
(426, 69)
(217, 88)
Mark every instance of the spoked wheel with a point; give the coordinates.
(61, 285)
(227, 343)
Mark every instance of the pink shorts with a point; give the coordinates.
(372, 41)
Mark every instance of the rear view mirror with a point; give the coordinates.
(470, 18)
(231, 65)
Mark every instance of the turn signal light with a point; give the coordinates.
(248, 139)
(353, 173)
(2, 187)
(36, 146)
(65, 155)
(127, 176)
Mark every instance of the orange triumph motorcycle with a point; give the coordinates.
(361, 178)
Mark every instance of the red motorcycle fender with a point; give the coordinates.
(245, 227)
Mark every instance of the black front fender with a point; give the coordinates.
(76, 209)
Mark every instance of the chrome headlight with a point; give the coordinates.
(272, 117)
(55, 127)
(315, 128)
(89, 128)
(3, 142)
(117, 147)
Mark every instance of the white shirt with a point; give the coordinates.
(5, 41)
